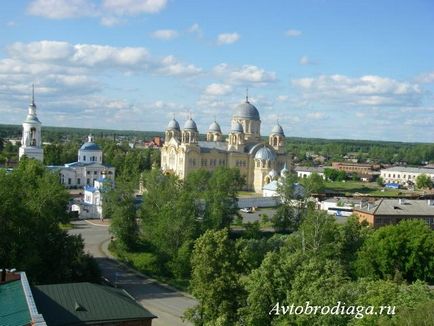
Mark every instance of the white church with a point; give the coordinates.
(88, 172)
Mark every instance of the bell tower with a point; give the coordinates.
(31, 142)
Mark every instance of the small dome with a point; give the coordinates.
(190, 124)
(273, 174)
(32, 119)
(215, 127)
(277, 129)
(173, 125)
(90, 147)
(246, 110)
(265, 154)
(237, 127)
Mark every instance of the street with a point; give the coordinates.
(164, 302)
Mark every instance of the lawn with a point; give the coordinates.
(367, 188)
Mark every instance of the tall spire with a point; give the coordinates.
(33, 94)
(247, 95)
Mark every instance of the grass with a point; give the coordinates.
(147, 263)
(65, 226)
(367, 188)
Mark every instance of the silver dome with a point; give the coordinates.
(246, 110)
(265, 154)
(237, 127)
(277, 129)
(190, 124)
(273, 174)
(173, 124)
(215, 127)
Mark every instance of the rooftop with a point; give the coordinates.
(403, 207)
(317, 169)
(410, 169)
(86, 304)
(14, 309)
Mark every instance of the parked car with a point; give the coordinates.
(247, 210)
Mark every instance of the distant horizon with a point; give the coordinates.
(325, 69)
(225, 134)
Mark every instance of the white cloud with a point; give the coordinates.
(133, 7)
(366, 90)
(218, 89)
(195, 29)
(246, 74)
(282, 98)
(109, 11)
(60, 9)
(293, 33)
(164, 34)
(304, 60)
(316, 115)
(227, 38)
(426, 78)
(172, 67)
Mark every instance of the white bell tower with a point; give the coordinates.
(31, 142)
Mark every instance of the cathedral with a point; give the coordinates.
(259, 162)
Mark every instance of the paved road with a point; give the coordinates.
(164, 302)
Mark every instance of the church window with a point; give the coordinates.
(84, 158)
(69, 181)
(78, 181)
(88, 180)
(95, 172)
(88, 172)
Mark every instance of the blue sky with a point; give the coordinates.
(330, 69)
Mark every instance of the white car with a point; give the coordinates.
(246, 210)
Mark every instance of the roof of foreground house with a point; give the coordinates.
(86, 304)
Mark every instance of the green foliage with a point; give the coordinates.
(403, 250)
(215, 281)
(288, 215)
(423, 181)
(334, 175)
(380, 181)
(33, 206)
(313, 184)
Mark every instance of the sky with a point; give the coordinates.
(321, 68)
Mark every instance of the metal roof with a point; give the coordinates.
(190, 125)
(85, 304)
(246, 110)
(400, 207)
(409, 169)
(173, 125)
(13, 305)
(89, 147)
(277, 129)
(313, 169)
(215, 127)
(265, 154)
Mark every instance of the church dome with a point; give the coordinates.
(277, 129)
(190, 125)
(273, 174)
(173, 124)
(215, 127)
(284, 171)
(265, 154)
(90, 147)
(237, 127)
(246, 110)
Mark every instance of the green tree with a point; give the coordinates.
(33, 205)
(380, 181)
(215, 281)
(404, 250)
(293, 204)
(423, 181)
(313, 184)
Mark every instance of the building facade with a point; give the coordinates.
(404, 175)
(88, 168)
(306, 171)
(392, 211)
(31, 142)
(243, 148)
